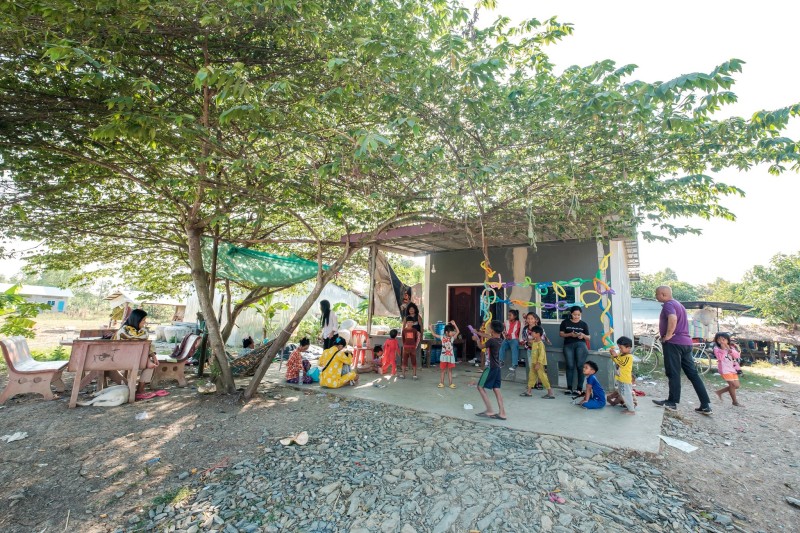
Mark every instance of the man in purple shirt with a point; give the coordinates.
(673, 326)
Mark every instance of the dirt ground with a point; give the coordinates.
(94, 469)
(748, 459)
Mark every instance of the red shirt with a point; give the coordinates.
(410, 337)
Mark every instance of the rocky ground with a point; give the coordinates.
(200, 463)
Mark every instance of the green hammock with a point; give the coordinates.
(258, 268)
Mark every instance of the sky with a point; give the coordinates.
(667, 40)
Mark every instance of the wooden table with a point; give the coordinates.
(95, 356)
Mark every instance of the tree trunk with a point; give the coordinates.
(323, 277)
(200, 278)
(254, 296)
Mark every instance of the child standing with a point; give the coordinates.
(531, 320)
(594, 397)
(411, 338)
(448, 359)
(513, 329)
(728, 356)
(490, 379)
(538, 367)
(391, 349)
(624, 375)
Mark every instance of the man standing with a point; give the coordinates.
(673, 326)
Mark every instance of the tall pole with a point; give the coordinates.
(373, 252)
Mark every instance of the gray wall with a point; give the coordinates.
(553, 261)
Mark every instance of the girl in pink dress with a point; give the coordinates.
(728, 356)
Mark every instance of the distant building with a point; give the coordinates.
(53, 296)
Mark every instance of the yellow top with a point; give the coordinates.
(538, 354)
(624, 362)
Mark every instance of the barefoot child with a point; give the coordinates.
(391, 349)
(411, 338)
(538, 363)
(727, 355)
(448, 359)
(624, 375)
(490, 379)
(594, 397)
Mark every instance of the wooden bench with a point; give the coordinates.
(26, 375)
(91, 358)
(173, 366)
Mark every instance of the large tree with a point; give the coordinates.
(133, 130)
(681, 290)
(774, 289)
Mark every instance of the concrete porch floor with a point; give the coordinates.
(607, 426)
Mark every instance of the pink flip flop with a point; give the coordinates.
(161, 392)
(146, 395)
(555, 498)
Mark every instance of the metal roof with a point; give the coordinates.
(724, 306)
(433, 237)
(39, 290)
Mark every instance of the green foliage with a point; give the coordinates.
(722, 290)
(288, 125)
(59, 353)
(266, 309)
(309, 327)
(681, 290)
(17, 314)
(775, 289)
(408, 270)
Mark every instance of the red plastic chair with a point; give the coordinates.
(359, 339)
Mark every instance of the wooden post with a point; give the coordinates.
(373, 252)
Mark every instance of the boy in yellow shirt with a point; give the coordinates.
(624, 361)
(538, 364)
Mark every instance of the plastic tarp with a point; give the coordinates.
(262, 269)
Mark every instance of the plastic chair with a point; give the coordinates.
(359, 339)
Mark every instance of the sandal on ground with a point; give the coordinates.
(452, 385)
(548, 397)
(498, 417)
(440, 385)
(145, 395)
(526, 394)
(484, 415)
(161, 392)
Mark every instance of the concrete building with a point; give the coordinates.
(53, 296)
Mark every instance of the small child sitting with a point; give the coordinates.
(594, 397)
(374, 365)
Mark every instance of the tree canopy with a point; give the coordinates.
(681, 290)
(774, 289)
(131, 130)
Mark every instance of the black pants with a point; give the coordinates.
(327, 343)
(575, 355)
(677, 357)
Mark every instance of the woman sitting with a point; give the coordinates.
(335, 364)
(133, 329)
(297, 362)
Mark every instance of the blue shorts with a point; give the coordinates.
(594, 403)
(490, 379)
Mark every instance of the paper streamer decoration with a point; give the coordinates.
(598, 295)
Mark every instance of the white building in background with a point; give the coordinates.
(249, 323)
(39, 294)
